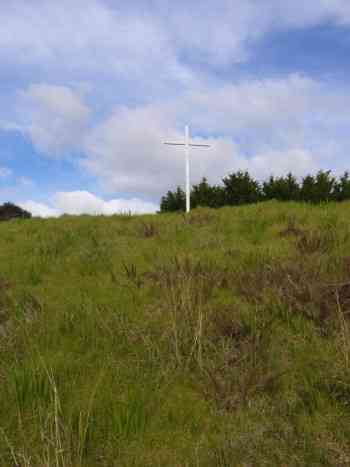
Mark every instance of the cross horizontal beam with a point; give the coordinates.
(192, 145)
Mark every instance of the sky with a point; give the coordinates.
(90, 90)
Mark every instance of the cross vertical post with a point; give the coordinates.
(187, 146)
(188, 190)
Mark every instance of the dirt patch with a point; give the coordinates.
(241, 367)
(302, 289)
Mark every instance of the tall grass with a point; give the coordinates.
(220, 338)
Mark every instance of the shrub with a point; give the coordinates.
(10, 211)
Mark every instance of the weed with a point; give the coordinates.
(129, 418)
(187, 286)
(316, 241)
(132, 274)
(64, 440)
(147, 229)
(292, 228)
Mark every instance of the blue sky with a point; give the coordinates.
(90, 89)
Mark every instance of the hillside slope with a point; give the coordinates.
(220, 338)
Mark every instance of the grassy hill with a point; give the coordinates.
(220, 338)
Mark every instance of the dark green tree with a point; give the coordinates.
(320, 188)
(325, 185)
(342, 188)
(204, 194)
(307, 188)
(282, 188)
(173, 201)
(218, 193)
(241, 188)
(11, 211)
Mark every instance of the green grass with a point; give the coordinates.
(221, 338)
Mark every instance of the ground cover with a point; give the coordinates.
(220, 338)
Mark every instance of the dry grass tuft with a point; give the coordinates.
(147, 229)
(316, 241)
(187, 286)
(199, 217)
(292, 229)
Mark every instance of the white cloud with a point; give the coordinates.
(126, 153)
(224, 32)
(306, 14)
(145, 41)
(10, 126)
(271, 125)
(55, 117)
(83, 202)
(59, 100)
(277, 163)
(145, 53)
(88, 37)
(25, 182)
(77, 202)
(39, 209)
(5, 172)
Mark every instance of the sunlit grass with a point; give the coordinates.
(215, 339)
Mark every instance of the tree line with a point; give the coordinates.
(240, 188)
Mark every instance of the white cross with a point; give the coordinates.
(187, 145)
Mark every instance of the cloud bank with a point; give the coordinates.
(264, 126)
(105, 84)
(83, 202)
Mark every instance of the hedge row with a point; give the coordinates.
(240, 188)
